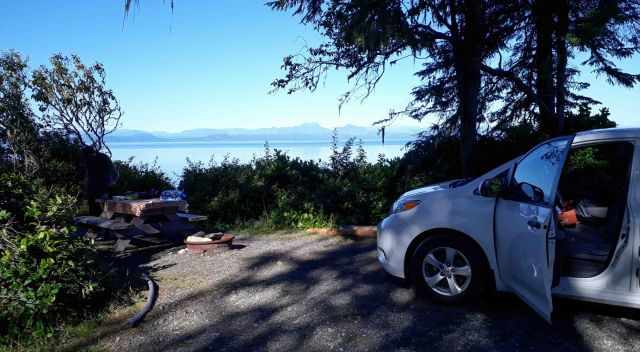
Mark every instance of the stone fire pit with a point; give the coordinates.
(197, 244)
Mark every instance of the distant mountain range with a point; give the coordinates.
(307, 131)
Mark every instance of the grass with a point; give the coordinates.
(76, 335)
(272, 223)
(251, 230)
(89, 332)
(80, 331)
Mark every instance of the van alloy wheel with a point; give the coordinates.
(446, 271)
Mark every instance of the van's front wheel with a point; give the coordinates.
(448, 269)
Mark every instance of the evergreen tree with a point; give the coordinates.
(605, 31)
(452, 39)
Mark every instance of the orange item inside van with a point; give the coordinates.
(568, 218)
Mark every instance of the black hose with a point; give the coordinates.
(151, 300)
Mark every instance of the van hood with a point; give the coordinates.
(442, 186)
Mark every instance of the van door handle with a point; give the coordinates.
(534, 223)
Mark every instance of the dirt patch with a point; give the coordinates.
(306, 292)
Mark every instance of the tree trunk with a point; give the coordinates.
(543, 61)
(468, 64)
(468, 90)
(561, 63)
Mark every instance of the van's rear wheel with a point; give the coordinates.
(448, 269)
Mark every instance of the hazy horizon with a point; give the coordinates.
(310, 141)
(171, 156)
(305, 124)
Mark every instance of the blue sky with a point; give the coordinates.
(209, 63)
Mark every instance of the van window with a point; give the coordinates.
(598, 172)
(536, 173)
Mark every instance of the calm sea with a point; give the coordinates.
(172, 156)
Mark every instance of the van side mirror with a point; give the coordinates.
(531, 192)
(493, 187)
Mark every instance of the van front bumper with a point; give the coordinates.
(391, 248)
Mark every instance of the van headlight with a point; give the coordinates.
(404, 205)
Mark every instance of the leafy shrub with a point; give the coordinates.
(285, 216)
(140, 177)
(586, 158)
(286, 192)
(45, 274)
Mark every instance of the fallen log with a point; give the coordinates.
(347, 230)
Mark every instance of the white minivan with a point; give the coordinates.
(560, 220)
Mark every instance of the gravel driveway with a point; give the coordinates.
(318, 294)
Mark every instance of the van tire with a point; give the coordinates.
(437, 246)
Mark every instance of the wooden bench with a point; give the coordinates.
(100, 222)
(192, 217)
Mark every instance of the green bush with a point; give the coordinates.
(284, 216)
(45, 275)
(284, 192)
(140, 177)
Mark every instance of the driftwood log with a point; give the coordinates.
(350, 230)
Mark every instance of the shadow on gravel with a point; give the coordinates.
(339, 298)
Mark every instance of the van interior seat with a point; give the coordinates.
(590, 242)
(588, 247)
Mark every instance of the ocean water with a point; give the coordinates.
(172, 156)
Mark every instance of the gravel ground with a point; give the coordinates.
(318, 294)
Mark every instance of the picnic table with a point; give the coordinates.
(138, 212)
(144, 219)
(142, 207)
